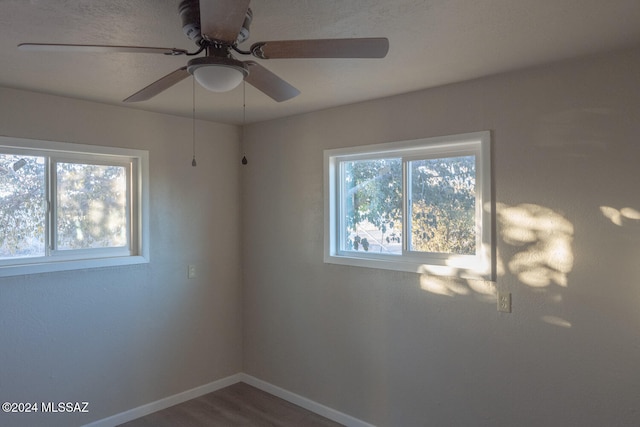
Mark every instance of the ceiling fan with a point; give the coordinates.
(217, 27)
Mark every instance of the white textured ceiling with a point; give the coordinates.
(432, 42)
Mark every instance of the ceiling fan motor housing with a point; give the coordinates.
(189, 11)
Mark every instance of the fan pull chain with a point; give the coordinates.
(244, 116)
(193, 124)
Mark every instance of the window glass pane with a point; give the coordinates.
(22, 206)
(372, 206)
(443, 205)
(91, 206)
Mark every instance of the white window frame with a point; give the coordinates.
(136, 163)
(479, 266)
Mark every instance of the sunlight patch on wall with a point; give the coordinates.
(453, 285)
(542, 259)
(556, 321)
(442, 285)
(621, 217)
(545, 237)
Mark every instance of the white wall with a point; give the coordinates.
(400, 349)
(123, 337)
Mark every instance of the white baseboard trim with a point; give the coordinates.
(161, 404)
(158, 405)
(308, 404)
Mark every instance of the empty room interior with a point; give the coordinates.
(408, 213)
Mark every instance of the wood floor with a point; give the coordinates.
(237, 405)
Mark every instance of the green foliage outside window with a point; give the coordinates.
(22, 206)
(91, 206)
(373, 198)
(442, 205)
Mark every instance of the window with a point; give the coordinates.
(70, 206)
(421, 205)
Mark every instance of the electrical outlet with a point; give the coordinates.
(504, 302)
(191, 272)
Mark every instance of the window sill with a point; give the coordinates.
(49, 267)
(470, 268)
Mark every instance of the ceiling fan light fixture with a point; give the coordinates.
(217, 74)
(218, 78)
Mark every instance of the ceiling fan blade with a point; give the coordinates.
(221, 20)
(375, 47)
(89, 48)
(159, 85)
(267, 82)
